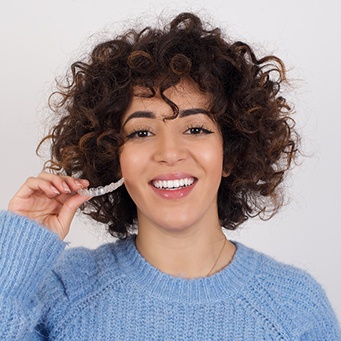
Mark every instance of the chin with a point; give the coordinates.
(176, 226)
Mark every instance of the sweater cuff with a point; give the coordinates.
(27, 252)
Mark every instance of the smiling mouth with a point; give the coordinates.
(173, 184)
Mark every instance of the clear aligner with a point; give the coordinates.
(95, 192)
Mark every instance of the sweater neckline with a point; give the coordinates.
(143, 277)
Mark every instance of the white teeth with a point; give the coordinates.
(173, 184)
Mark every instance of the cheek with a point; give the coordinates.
(132, 161)
(125, 161)
(128, 170)
(213, 158)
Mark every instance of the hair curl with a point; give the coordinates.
(259, 140)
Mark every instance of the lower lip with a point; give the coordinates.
(173, 194)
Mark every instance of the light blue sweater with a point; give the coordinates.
(112, 293)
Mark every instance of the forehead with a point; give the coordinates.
(185, 95)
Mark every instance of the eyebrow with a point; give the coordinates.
(150, 114)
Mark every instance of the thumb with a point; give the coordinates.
(69, 210)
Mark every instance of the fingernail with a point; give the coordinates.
(78, 183)
(66, 188)
(54, 189)
(85, 183)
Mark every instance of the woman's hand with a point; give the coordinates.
(51, 200)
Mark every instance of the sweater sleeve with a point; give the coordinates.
(323, 322)
(27, 253)
(300, 302)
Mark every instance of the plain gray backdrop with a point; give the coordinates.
(40, 38)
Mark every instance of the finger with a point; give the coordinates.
(32, 185)
(69, 209)
(65, 184)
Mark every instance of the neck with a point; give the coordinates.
(189, 254)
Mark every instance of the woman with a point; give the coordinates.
(197, 129)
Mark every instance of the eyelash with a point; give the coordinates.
(199, 130)
(136, 133)
(190, 130)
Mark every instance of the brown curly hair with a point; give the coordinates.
(259, 140)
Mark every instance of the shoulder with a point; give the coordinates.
(80, 272)
(274, 273)
(286, 279)
(283, 292)
(88, 265)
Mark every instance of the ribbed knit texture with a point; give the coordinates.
(112, 293)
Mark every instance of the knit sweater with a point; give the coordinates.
(113, 293)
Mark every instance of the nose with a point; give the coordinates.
(170, 149)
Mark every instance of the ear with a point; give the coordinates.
(118, 167)
(227, 170)
(119, 174)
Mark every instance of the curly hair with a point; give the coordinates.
(259, 140)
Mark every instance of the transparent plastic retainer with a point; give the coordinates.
(96, 192)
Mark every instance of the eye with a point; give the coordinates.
(139, 133)
(198, 130)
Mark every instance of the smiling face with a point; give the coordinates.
(172, 167)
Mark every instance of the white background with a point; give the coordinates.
(39, 38)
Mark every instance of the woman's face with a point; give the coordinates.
(172, 167)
